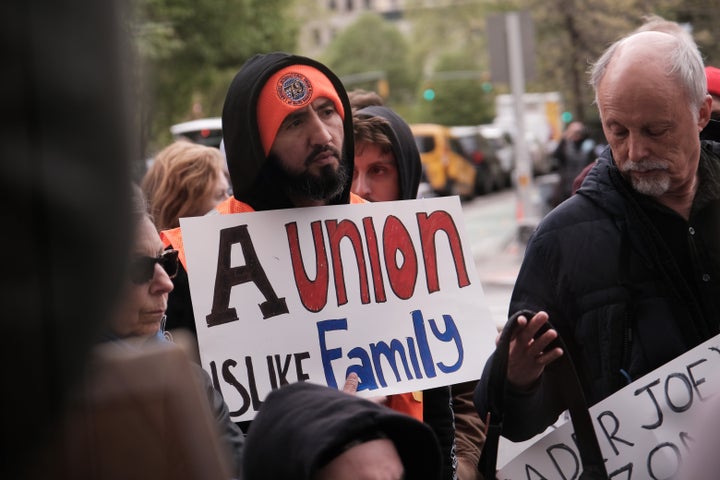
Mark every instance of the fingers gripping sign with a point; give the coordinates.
(530, 350)
(351, 385)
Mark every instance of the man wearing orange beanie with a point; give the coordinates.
(288, 135)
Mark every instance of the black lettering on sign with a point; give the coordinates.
(561, 447)
(536, 475)
(612, 436)
(279, 373)
(299, 357)
(685, 382)
(664, 471)
(686, 439)
(647, 388)
(627, 470)
(696, 381)
(228, 276)
(231, 380)
(253, 384)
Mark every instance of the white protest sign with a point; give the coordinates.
(644, 430)
(388, 290)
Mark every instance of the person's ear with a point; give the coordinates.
(705, 112)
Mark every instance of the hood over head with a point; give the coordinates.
(302, 426)
(403, 146)
(251, 117)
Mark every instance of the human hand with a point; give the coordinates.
(351, 385)
(528, 357)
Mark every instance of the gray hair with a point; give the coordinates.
(684, 62)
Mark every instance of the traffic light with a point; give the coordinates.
(429, 94)
(566, 117)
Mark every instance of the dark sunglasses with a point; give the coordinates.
(142, 269)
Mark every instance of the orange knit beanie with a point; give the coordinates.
(290, 89)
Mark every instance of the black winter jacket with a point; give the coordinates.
(628, 283)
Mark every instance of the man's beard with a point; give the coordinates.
(654, 186)
(323, 186)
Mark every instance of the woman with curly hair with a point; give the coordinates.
(185, 180)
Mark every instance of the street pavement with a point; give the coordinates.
(500, 267)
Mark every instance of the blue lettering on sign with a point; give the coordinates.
(402, 357)
(326, 355)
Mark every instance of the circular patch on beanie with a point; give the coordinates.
(294, 89)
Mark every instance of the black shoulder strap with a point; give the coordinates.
(573, 396)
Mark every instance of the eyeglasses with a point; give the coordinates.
(142, 269)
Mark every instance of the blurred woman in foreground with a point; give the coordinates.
(140, 316)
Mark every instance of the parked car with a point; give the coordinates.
(476, 148)
(205, 131)
(502, 142)
(446, 168)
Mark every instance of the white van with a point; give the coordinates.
(503, 144)
(205, 131)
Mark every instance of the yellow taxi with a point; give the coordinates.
(445, 167)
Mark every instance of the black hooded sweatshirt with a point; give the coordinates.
(403, 148)
(251, 177)
(303, 426)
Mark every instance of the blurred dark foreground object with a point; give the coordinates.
(137, 414)
(64, 179)
(303, 426)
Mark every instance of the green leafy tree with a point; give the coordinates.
(189, 50)
(569, 36)
(461, 96)
(704, 19)
(449, 41)
(439, 28)
(372, 44)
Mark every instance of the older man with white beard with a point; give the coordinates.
(628, 270)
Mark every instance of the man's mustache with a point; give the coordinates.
(644, 166)
(318, 150)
